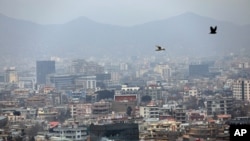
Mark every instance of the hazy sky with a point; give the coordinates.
(123, 12)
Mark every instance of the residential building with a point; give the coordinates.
(74, 132)
(80, 110)
(155, 91)
(36, 101)
(217, 105)
(241, 89)
(180, 114)
(122, 102)
(48, 113)
(149, 112)
(101, 108)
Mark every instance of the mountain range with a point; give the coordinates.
(185, 34)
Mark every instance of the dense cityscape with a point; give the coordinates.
(110, 70)
(145, 98)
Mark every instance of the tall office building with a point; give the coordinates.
(43, 68)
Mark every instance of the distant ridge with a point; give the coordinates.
(185, 34)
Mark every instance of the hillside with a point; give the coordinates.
(186, 34)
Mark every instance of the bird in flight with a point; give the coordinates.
(213, 30)
(159, 48)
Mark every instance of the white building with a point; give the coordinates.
(149, 112)
(74, 132)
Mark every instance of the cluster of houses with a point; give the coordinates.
(164, 104)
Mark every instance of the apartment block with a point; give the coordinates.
(241, 89)
(149, 111)
(217, 105)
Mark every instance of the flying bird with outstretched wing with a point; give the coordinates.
(213, 30)
(159, 48)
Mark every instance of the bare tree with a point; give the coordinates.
(32, 132)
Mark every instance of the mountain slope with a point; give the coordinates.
(186, 34)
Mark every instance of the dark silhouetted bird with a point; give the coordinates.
(159, 48)
(213, 30)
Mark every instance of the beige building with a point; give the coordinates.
(101, 108)
(11, 75)
(149, 112)
(193, 91)
(164, 70)
(241, 89)
(80, 110)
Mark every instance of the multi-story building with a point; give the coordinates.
(76, 96)
(43, 68)
(160, 130)
(8, 104)
(123, 66)
(27, 82)
(241, 89)
(11, 75)
(80, 110)
(61, 81)
(155, 91)
(101, 107)
(193, 91)
(122, 102)
(149, 112)
(217, 105)
(164, 70)
(86, 82)
(14, 118)
(76, 133)
(46, 113)
(243, 65)
(180, 114)
(36, 101)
